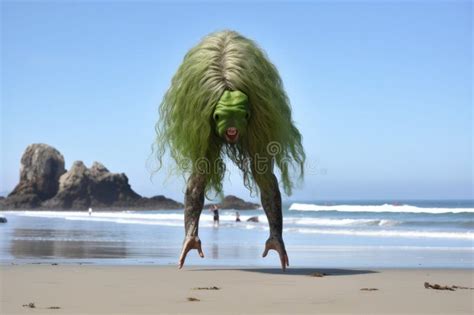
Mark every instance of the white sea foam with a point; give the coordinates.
(376, 208)
(129, 217)
(97, 215)
(386, 233)
(339, 222)
(346, 248)
(176, 219)
(303, 225)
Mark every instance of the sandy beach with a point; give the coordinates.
(87, 289)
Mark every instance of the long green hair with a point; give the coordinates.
(224, 61)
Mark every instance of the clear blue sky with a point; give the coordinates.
(381, 91)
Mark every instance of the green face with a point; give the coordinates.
(231, 115)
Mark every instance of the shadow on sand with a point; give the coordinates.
(297, 271)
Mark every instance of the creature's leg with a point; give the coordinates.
(193, 204)
(271, 202)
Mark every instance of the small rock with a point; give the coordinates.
(253, 219)
(193, 299)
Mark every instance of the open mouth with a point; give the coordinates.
(232, 134)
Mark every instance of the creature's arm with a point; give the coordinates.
(271, 202)
(193, 204)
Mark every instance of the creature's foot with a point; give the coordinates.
(276, 243)
(190, 242)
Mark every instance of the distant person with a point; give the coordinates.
(237, 216)
(215, 211)
(90, 211)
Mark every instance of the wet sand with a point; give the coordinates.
(86, 289)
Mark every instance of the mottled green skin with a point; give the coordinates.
(232, 110)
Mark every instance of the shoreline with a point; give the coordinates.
(96, 289)
(190, 265)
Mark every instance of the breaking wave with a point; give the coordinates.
(377, 208)
(386, 233)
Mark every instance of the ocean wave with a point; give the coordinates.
(377, 208)
(340, 222)
(128, 217)
(176, 219)
(386, 233)
(346, 248)
(95, 215)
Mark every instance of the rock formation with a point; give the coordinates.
(41, 167)
(150, 203)
(73, 189)
(233, 202)
(81, 188)
(253, 219)
(45, 184)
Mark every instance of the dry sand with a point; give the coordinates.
(85, 289)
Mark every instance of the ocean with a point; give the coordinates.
(317, 234)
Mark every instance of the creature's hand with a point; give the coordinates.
(277, 244)
(190, 242)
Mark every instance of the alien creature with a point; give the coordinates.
(227, 101)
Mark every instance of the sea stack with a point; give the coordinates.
(40, 168)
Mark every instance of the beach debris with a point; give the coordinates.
(30, 305)
(318, 274)
(369, 289)
(54, 264)
(438, 287)
(462, 288)
(207, 288)
(445, 287)
(193, 299)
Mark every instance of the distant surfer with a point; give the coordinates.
(90, 211)
(237, 216)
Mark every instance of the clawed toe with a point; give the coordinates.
(277, 245)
